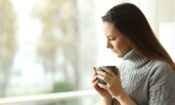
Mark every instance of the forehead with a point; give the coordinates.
(109, 29)
(108, 25)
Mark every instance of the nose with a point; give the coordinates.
(109, 45)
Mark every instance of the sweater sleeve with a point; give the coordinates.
(162, 88)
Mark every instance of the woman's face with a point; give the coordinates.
(115, 40)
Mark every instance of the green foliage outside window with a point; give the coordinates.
(64, 86)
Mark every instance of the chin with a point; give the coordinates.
(119, 55)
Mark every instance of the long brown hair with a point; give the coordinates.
(132, 23)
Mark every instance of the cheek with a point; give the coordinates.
(121, 44)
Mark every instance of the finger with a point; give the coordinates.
(94, 79)
(101, 72)
(94, 71)
(107, 70)
(94, 68)
(102, 86)
(95, 82)
(95, 85)
(104, 78)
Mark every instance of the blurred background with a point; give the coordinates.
(49, 47)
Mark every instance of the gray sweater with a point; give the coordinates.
(147, 82)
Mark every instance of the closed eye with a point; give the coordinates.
(110, 38)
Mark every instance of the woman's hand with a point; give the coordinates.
(112, 88)
(113, 84)
(103, 92)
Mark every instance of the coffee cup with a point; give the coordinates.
(112, 68)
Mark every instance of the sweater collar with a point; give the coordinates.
(133, 59)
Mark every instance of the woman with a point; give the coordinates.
(147, 73)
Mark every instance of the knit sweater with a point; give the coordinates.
(147, 82)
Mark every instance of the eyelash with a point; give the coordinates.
(111, 38)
